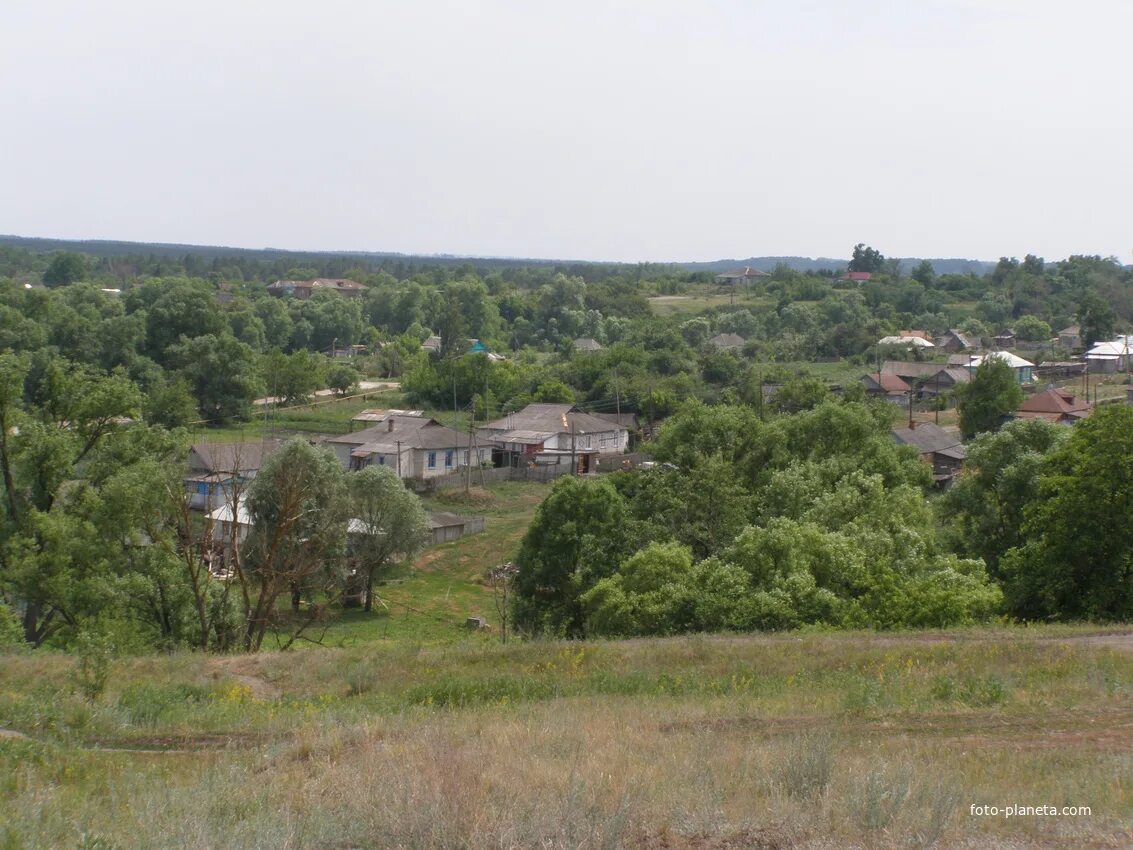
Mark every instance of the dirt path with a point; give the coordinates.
(240, 669)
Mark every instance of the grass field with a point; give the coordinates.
(430, 601)
(700, 300)
(324, 416)
(799, 740)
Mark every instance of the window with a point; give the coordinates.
(432, 460)
(466, 458)
(448, 458)
(381, 460)
(202, 488)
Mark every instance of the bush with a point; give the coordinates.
(92, 668)
(11, 635)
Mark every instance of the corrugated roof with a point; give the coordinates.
(234, 457)
(929, 438)
(889, 383)
(550, 419)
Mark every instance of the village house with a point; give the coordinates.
(1024, 369)
(1070, 337)
(584, 344)
(217, 470)
(1055, 405)
(375, 415)
(725, 342)
(939, 448)
(740, 276)
(304, 289)
(553, 433)
(443, 527)
(944, 380)
(952, 341)
(857, 277)
(910, 372)
(891, 387)
(415, 447)
(1004, 339)
(1107, 357)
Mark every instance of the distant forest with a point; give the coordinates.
(152, 257)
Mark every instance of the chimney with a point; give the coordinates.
(389, 424)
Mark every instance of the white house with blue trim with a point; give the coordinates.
(412, 446)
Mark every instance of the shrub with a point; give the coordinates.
(92, 667)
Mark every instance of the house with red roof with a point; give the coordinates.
(1055, 405)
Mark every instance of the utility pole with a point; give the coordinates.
(399, 458)
(936, 398)
(468, 455)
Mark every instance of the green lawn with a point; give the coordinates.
(699, 301)
(429, 601)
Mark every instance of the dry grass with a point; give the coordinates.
(817, 741)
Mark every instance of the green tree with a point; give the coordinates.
(985, 507)
(391, 524)
(1032, 329)
(866, 259)
(342, 378)
(64, 269)
(299, 508)
(1096, 319)
(991, 395)
(222, 372)
(576, 538)
(652, 594)
(294, 377)
(924, 273)
(1077, 558)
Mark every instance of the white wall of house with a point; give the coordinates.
(603, 441)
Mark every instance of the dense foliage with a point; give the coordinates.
(812, 518)
(780, 500)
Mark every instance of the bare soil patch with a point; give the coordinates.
(241, 670)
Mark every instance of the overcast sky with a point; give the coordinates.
(653, 130)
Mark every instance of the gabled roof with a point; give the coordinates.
(585, 343)
(233, 457)
(955, 374)
(909, 370)
(928, 438)
(888, 382)
(910, 341)
(625, 420)
(401, 425)
(1109, 349)
(856, 276)
(727, 341)
(429, 436)
(1012, 360)
(381, 414)
(551, 419)
(959, 337)
(1058, 402)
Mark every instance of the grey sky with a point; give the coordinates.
(651, 130)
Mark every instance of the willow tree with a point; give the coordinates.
(297, 508)
(388, 524)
